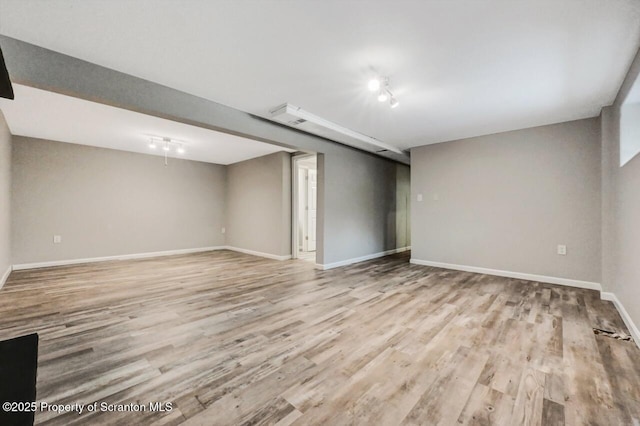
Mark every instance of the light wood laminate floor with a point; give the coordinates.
(234, 339)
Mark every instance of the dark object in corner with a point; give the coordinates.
(6, 90)
(18, 366)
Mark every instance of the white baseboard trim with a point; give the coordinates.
(259, 253)
(326, 266)
(518, 275)
(117, 257)
(635, 333)
(5, 277)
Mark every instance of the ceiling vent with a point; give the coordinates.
(300, 119)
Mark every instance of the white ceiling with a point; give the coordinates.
(40, 114)
(459, 68)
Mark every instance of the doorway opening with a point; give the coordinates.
(305, 205)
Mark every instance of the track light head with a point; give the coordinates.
(383, 96)
(394, 102)
(374, 84)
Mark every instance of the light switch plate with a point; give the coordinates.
(57, 239)
(562, 249)
(419, 198)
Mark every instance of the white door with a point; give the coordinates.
(312, 185)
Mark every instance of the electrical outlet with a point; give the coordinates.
(223, 230)
(57, 239)
(562, 249)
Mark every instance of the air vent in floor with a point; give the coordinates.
(612, 334)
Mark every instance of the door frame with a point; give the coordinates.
(311, 200)
(294, 201)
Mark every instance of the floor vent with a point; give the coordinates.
(613, 334)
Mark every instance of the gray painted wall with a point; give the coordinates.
(78, 192)
(259, 204)
(5, 196)
(105, 202)
(403, 206)
(364, 206)
(621, 209)
(629, 131)
(505, 201)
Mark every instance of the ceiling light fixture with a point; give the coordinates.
(374, 84)
(381, 85)
(168, 145)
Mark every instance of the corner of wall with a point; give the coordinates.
(320, 200)
(620, 229)
(607, 163)
(6, 148)
(225, 211)
(286, 249)
(266, 182)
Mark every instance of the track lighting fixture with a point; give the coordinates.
(381, 86)
(374, 84)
